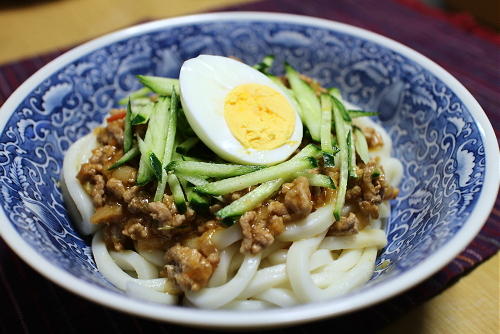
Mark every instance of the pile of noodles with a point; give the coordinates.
(302, 265)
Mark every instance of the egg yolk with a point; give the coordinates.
(259, 116)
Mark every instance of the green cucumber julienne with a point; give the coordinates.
(326, 123)
(307, 100)
(186, 145)
(199, 202)
(264, 191)
(351, 154)
(310, 150)
(343, 157)
(158, 127)
(210, 169)
(177, 193)
(335, 93)
(140, 93)
(265, 64)
(326, 130)
(361, 144)
(188, 158)
(128, 135)
(251, 199)
(145, 173)
(361, 113)
(283, 170)
(194, 180)
(132, 153)
(155, 165)
(319, 180)
(142, 101)
(168, 149)
(141, 113)
(154, 141)
(159, 85)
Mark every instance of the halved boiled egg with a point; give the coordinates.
(238, 112)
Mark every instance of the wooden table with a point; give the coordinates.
(470, 306)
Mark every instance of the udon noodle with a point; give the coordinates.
(302, 265)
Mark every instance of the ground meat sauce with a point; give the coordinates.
(364, 195)
(131, 219)
(373, 138)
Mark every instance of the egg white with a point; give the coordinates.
(205, 82)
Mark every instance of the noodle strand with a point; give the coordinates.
(218, 296)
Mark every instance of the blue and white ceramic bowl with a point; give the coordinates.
(440, 133)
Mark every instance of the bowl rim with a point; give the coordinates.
(275, 317)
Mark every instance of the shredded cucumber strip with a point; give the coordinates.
(265, 64)
(250, 200)
(141, 113)
(361, 113)
(145, 172)
(128, 135)
(140, 93)
(335, 93)
(158, 127)
(326, 123)
(308, 102)
(267, 174)
(326, 131)
(194, 180)
(159, 85)
(199, 202)
(186, 145)
(168, 148)
(351, 152)
(132, 153)
(319, 180)
(310, 150)
(210, 169)
(283, 170)
(177, 193)
(361, 145)
(343, 158)
(154, 143)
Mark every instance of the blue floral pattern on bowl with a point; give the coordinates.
(433, 133)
